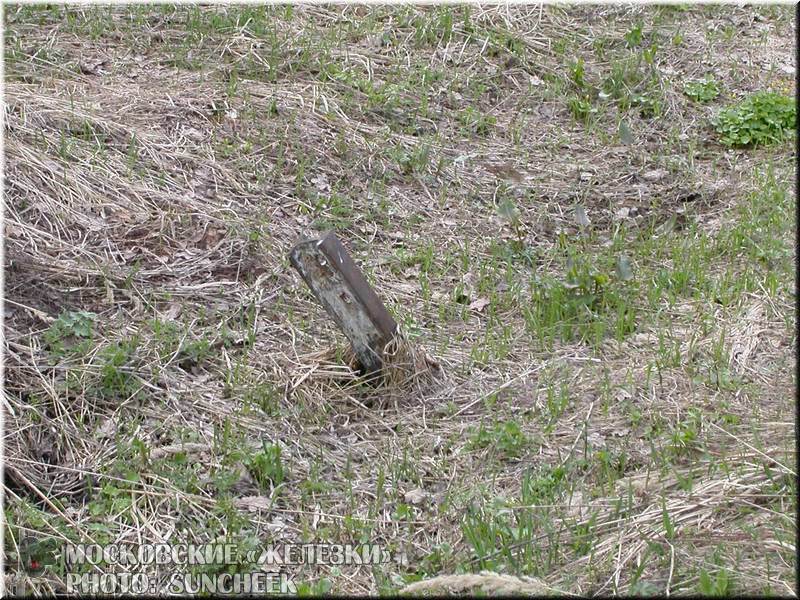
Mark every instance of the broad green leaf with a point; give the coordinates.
(507, 210)
(624, 270)
(625, 135)
(580, 216)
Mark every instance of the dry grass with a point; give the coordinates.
(484, 583)
(156, 176)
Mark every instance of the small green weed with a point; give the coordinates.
(701, 90)
(314, 589)
(590, 303)
(193, 353)
(502, 533)
(509, 212)
(578, 73)
(763, 118)
(634, 36)
(413, 161)
(437, 560)
(507, 437)
(719, 586)
(116, 380)
(266, 466)
(628, 79)
(581, 109)
(474, 121)
(335, 212)
(686, 433)
(649, 104)
(542, 487)
(69, 325)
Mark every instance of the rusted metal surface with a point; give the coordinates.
(341, 288)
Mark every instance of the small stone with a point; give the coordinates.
(655, 175)
(479, 304)
(415, 497)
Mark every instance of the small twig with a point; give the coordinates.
(494, 391)
(580, 434)
(756, 450)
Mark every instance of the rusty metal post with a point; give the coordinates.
(341, 288)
